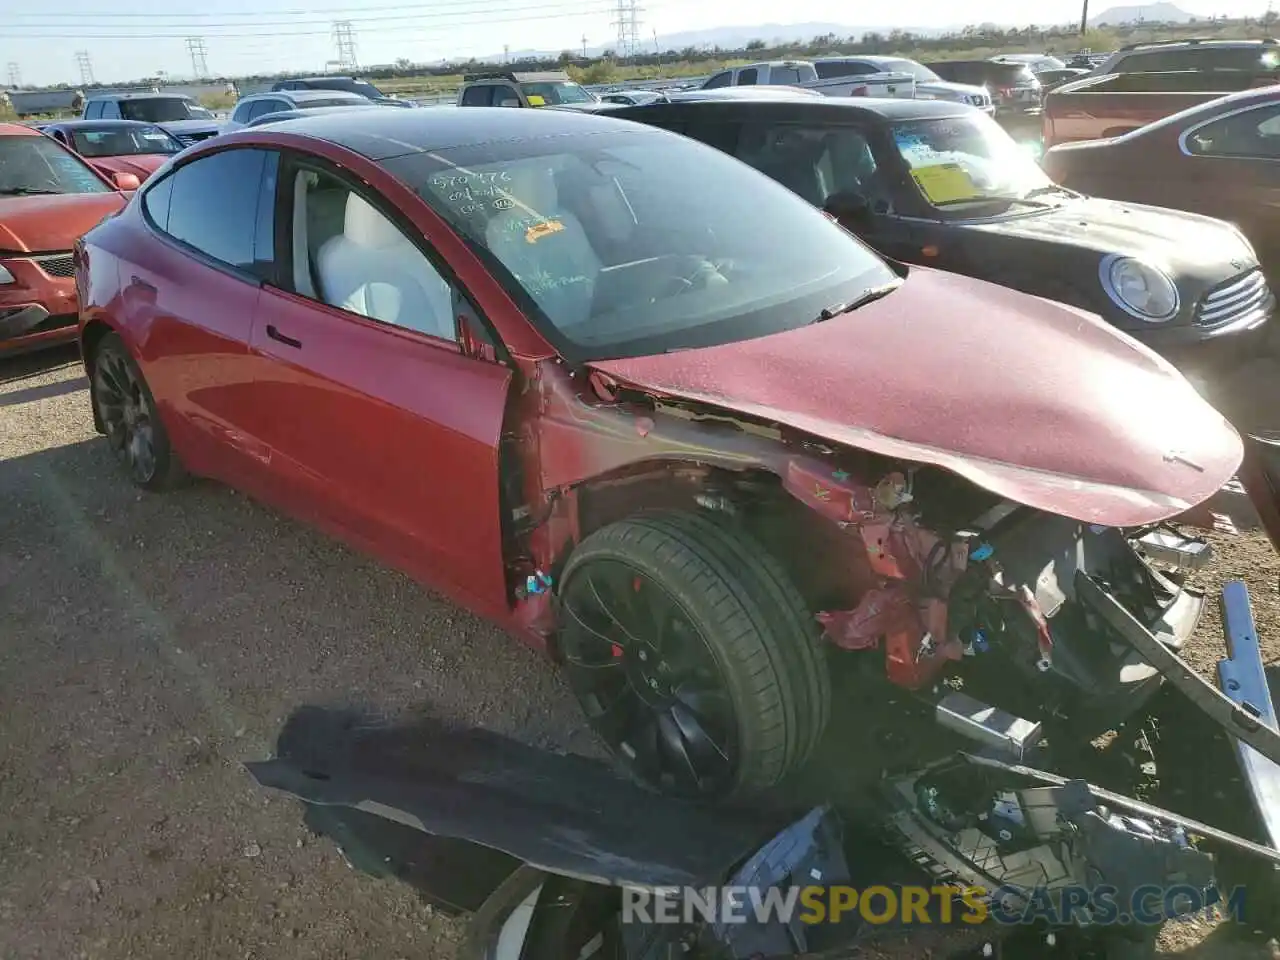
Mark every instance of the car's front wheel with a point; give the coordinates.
(692, 654)
(124, 406)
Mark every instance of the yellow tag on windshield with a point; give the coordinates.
(536, 101)
(945, 183)
(540, 230)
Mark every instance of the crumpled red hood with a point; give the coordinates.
(1035, 401)
(141, 165)
(49, 224)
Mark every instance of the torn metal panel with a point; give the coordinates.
(1236, 719)
(1244, 681)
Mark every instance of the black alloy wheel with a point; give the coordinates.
(648, 679)
(126, 410)
(692, 654)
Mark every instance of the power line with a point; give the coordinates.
(199, 65)
(627, 20)
(400, 30)
(86, 67)
(345, 37)
(511, 15)
(471, 5)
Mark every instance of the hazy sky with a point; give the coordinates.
(124, 41)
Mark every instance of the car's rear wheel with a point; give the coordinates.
(692, 654)
(123, 404)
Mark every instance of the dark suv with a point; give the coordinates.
(1162, 56)
(179, 115)
(1013, 86)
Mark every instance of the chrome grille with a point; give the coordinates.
(56, 264)
(1241, 301)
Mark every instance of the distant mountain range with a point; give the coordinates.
(735, 38)
(1148, 12)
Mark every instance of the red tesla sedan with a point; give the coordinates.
(645, 407)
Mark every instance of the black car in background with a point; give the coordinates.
(1015, 90)
(942, 185)
(345, 84)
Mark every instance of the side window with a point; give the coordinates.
(242, 111)
(94, 110)
(110, 110)
(479, 95)
(747, 77)
(349, 254)
(722, 136)
(224, 206)
(1253, 134)
(260, 107)
(842, 68)
(724, 79)
(155, 202)
(505, 95)
(814, 162)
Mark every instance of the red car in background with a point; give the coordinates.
(117, 146)
(1221, 159)
(553, 365)
(48, 198)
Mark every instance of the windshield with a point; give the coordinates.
(960, 160)
(632, 243)
(163, 110)
(33, 165)
(1041, 64)
(918, 70)
(123, 141)
(555, 92)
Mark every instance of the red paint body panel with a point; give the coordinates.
(44, 224)
(1032, 400)
(389, 434)
(141, 165)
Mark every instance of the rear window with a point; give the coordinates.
(1010, 74)
(1201, 58)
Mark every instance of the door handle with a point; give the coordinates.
(275, 334)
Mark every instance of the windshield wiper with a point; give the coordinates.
(869, 295)
(1050, 188)
(1038, 204)
(28, 191)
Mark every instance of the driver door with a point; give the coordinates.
(379, 425)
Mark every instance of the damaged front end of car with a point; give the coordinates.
(547, 856)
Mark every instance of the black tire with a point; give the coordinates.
(748, 613)
(124, 406)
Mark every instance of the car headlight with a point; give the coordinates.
(1138, 288)
(5, 275)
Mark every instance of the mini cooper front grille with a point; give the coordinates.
(57, 264)
(1241, 301)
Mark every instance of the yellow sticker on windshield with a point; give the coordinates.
(536, 101)
(540, 230)
(945, 183)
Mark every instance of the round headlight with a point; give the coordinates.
(1139, 289)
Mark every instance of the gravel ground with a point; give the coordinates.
(151, 643)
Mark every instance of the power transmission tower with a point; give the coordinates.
(15, 74)
(86, 67)
(199, 63)
(344, 35)
(628, 24)
(584, 46)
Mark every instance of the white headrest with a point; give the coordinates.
(533, 185)
(367, 227)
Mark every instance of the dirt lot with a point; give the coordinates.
(150, 643)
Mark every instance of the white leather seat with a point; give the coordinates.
(544, 245)
(372, 269)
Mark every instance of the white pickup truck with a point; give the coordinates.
(803, 74)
